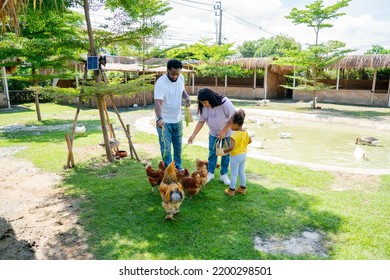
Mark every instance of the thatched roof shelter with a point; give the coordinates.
(120, 59)
(364, 61)
(350, 61)
(249, 63)
(258, 63)
(274, 75)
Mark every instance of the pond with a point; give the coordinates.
(314, 143)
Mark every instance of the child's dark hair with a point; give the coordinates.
(206, 94)
(238, 117)
(174, 63)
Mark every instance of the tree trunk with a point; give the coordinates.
(104, 129)
(97, 77)
(37, 108)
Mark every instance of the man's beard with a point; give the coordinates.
(172, 80)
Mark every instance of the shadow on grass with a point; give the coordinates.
(15, 109)
(125, 218)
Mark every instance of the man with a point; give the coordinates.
(168, 94)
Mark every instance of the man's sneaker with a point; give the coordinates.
(240, 190)
(229, 192)
(225, 179)
(210, 176)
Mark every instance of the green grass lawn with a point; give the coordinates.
(125, 219)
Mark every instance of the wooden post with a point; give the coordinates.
(132, 151)
(388, 95)
(114, 137)
(107, 118)
(127, 131)
(75, 122)
(193, 83)
(373, 86)
(254, 82)
(104, 129)
(265, 83)
(5, 84)
(338, 77)
(70, 161)
(294, 81)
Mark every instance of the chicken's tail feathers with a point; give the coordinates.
(177, 195)
(170, 174)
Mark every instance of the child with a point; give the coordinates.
(238, 148)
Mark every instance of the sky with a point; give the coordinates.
(365, 23)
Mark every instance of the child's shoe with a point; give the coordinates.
(241, 190)
(229, 192)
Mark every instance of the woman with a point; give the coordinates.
(216, 111)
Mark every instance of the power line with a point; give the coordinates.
(203, 31)
(190, 6)
(197, 2)
(244, 22)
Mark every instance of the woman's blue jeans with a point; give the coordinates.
(213, 156)
(170, 137)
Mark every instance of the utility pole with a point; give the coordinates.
(218, 12)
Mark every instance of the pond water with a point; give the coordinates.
(328, 144)
(316, 144)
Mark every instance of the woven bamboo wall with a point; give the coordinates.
(140, 99)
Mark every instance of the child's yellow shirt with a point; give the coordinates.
(242, 140)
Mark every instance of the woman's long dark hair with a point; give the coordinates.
(206, 94)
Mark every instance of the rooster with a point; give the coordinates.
(155, 176)
(192, 184)
(171, 192)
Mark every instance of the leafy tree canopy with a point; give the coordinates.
(316, 15)
(274, 46)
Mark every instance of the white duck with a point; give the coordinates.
(276, 121)
(359, 153)
(262, 102)
(367, 140)
(80, 129)
(114, 143)
(259, 123)
(251, 133)
(258, 144)
(285, 135)
(251, 119)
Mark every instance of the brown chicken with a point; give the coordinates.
(155, 176)
(192, 184)
(202, 172)
(200, 163)
(181, 173)
(171, 192)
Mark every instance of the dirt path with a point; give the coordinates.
(36, 220)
